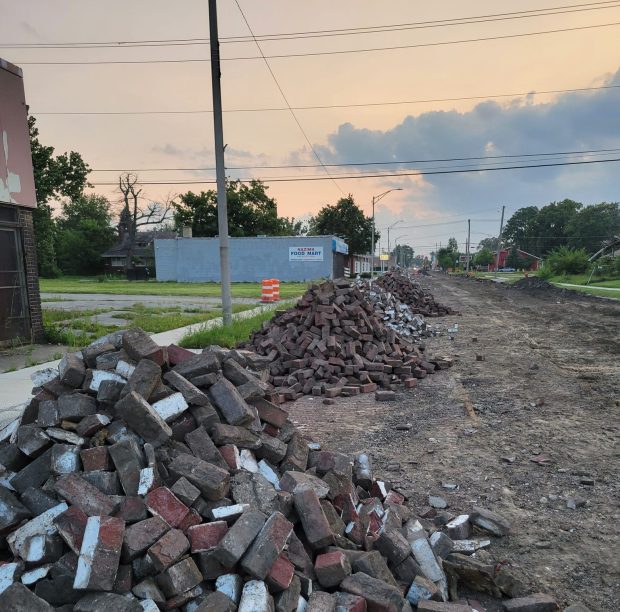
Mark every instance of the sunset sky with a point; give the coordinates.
(430, 208)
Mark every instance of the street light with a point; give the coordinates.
(396, 244)
(375, 199)
(389, 228)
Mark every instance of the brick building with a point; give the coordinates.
(20, 302)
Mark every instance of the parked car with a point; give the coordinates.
(507, 270)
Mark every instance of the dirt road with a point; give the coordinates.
(548, 386)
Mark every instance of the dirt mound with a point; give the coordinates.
(533, 282)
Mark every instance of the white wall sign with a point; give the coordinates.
(305, 253)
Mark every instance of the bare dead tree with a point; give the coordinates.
(136, 215)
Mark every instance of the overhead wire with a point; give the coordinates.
(456, 21)
(383, 175)
(273, 76)
(321, 53)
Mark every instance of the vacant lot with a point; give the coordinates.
(93, 285)
(547, 389)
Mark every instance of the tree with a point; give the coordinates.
(567, 261)
(490, 244)
(403, 255)
(134, 215)
(592, 225)
(448, 256)
(54, 177)
(83, 233)
(251, 212)
(347, 221)
(484, 257)
(519, 228)
(512, 259)
(453, 245)
(549, 230)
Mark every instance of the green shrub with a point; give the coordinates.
(568, 261)
(545, 272)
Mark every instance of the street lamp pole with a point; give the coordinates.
(388, 229)
(375, 199)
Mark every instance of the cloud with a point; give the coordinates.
(571, 122)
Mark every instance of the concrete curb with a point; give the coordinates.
(16, 387)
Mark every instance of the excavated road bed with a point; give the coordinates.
(524, 432)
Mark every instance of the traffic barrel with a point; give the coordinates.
(267, 290)
(275, 284)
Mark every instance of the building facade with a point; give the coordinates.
(20, 302)
(287, 258)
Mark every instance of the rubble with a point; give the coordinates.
(409, 292)
(335, 342)
(213, 507)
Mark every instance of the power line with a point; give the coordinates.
(395, 174)
(376, 163)
(273, 76)
(457, 21)
(327, 106)
(322, 53)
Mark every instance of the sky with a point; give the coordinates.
(428, 209)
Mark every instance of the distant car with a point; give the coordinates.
(507, 270)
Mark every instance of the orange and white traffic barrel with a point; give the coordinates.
(275, 284)
(267, 290)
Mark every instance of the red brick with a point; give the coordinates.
(168, 549)
(230, 454)
(280, 575)
(332, 568)
(394, 498)
(96, 458)
(163, 503)
(206, 536)
(71, 524)
(177, 355)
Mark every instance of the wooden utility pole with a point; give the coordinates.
(499, 241)
(220, 172)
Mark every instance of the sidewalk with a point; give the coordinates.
(587, 287)
(16, 387)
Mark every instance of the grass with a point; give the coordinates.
(74, 284)
(582, 279)
(240, 330)
(509, 277)
(594, 291)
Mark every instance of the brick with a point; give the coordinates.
(64, 459)
(205, 416)
(162, 502)
(18, 597)
(12, 511)
(179, 578)
(345, 602)
(128, 461)
(79, 492)
(168, 549)
(76, 406)
(71, 370)
(38, 501)
(90, 353)
(141, 536)
(296, 454)
(124, 580)
(206, 536)
(422, 589)
(280, 575)
(32, 440)
(296, 481)
(212, 481)
(42, 525)
(332, 568)
(255, 598)
(267, 546)
(48, 414)
(139, 345)
(230, 585)
(95, 378)
(321, 601)
(238, 538)
(65, 436)
(96, 458)
(232, 458)
(107, 482)
(362, 471)
(271, 449)
(393, 545)
(100, 553)
(94, 602)
(198, 365)
(407, 570)
(110, 391)
(313, 520)
(71, 525)
(439, 606)
(177, 355)
(235, 410)
(202, 446)
(170, 407)
(184, 490)
(490, 521)
(132, 509)
(92, 424)
(191, 393)
(216, 602)
(231, 434)
(269, 412)
(538, 602)
(374, 564)
(141, 417)
(378, 595)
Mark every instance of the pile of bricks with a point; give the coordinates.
(411, 293)
(146, 478)
(334, 342)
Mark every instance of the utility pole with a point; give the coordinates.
(220, 172)
(468, 238)
(499, 241)
(372, 253)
